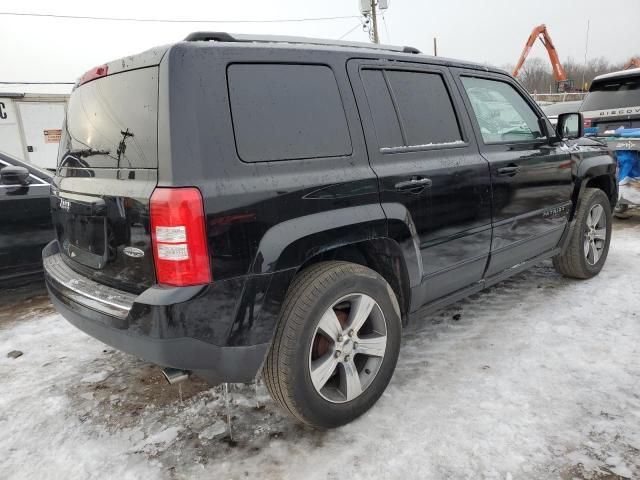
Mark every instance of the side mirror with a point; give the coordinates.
(570, 126)
(13, 175)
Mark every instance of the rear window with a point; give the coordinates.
(112, 122)
(614, 93)
(287, 112)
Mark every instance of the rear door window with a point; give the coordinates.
(410, 109)
(385, 118)
(424, 107)
(287, 112)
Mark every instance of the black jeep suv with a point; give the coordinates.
(236, 206)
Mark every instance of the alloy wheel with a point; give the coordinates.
(595, 234)
(348, 348)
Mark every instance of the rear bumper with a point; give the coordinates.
(173, 327)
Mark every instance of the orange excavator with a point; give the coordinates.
(633, 63)
(563, 82)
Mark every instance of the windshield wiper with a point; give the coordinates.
(87, 152)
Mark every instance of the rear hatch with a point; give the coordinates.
(613, 103)
(107, 171)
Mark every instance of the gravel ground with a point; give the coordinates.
(538, 377)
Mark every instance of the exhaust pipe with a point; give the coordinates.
(173, 375)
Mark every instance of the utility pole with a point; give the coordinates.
(435, 47)
(374, 22)
(584, 67)
(369, 10)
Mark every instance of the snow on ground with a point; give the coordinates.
(538, 377)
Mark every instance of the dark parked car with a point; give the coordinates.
(25, 220)
(237, 206)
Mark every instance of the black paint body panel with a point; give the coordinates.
(25, 225)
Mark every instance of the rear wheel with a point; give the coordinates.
(589, 238)
(336, 345)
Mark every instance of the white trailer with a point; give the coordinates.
(30, 126)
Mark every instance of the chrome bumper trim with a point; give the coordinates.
(85, 291)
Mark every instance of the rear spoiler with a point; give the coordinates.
(148, 58)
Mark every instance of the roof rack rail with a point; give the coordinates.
(229, 37)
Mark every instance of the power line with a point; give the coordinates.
(160, 20)
(350, 30)
(385, 28)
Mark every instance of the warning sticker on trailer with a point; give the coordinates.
(52, 136)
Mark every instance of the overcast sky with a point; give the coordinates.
(492, 31)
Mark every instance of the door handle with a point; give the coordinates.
(509, 171)
(414, 184)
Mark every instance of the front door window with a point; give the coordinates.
(502, 114)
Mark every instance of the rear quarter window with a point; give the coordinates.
(286, 112)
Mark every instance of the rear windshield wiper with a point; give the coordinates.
(87, 152)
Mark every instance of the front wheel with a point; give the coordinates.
(589, 238)
(336, 344)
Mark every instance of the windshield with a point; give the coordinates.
(613, 93)
(112, 122)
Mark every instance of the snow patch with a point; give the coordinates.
(217, 429)
(558, 397)
(165, 436)
(95, 377)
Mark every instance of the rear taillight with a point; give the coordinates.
(179, 237)
(96, 72)
(587, 123)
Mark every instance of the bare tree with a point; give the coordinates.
(536, 75)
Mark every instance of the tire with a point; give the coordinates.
(326, 295)
(584, 258)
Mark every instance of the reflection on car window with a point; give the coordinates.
(502, 114)
(571, 126)
(112, 122)
(74, 167)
